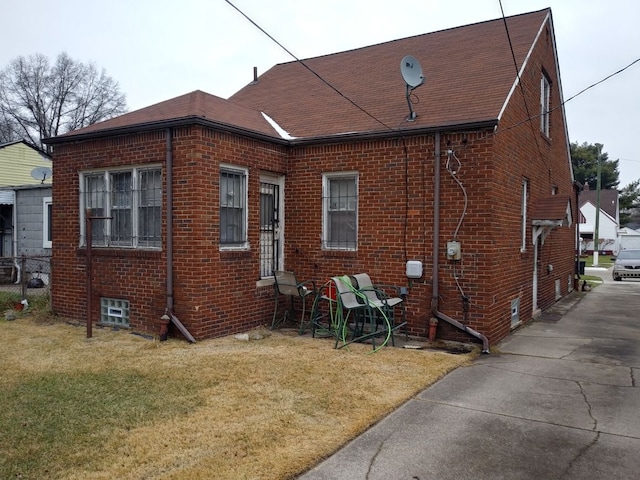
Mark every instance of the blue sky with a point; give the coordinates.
(158, 50)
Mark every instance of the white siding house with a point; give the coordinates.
(25, 208)
(607, 230)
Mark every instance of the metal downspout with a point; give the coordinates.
(577, 187)
(436, 248)
(169, 307)
(169, 159)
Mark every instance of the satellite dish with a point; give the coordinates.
(411, 71)
(41, 173)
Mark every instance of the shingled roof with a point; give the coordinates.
(608, 200)
(195, 106)
(469, 73)
(552, 210)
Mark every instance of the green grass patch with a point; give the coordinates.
(603, 260)
(53, 422)
(38, 302)
(116, 406)
(591, 278)
(7, 299)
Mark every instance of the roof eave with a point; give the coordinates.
(161, 124)
(372, 135)
(321, 139)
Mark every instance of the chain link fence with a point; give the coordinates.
(25, 277)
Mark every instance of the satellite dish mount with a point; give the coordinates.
(413, 77)
(41, 173)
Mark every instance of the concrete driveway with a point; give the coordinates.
(560, 401)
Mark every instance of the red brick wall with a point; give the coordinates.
(493, 271)
(215, 291)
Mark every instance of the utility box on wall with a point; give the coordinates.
(414, 269)
(453, 251)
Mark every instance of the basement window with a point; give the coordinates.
(114, 312)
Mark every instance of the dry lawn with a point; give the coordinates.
(122, 406)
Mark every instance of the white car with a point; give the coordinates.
(626, 265)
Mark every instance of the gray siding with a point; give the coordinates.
(30, 213)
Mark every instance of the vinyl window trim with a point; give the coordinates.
(47, 217)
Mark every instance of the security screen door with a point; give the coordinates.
(271, 225)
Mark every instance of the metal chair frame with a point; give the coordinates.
(377, 296)
(365, 314)
(286, 283)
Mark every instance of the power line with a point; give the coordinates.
(312, 71)
(601, 81)
(524, 95)
(562, 104)
(309, 68)
(529, 116)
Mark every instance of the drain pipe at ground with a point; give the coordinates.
(168, 311)
(169, 163)
(437, 314)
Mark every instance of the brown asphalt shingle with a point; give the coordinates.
(608, 200)
(469, 72)
(195, 104)
(550, 208)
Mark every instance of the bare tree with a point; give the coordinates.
(8, 130)
(38, 100)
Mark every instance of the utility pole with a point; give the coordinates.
(596, 233)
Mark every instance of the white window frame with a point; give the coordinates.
(545, 104)
(46, 224)
(243, 244)
(327, 178)
(523, 214)
(135, 243)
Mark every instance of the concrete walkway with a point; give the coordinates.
(560, 401)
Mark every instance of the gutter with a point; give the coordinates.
(160, 124)
(436, 247)
(290, 142)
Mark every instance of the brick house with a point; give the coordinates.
(318, 167)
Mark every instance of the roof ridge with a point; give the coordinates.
(363, 47)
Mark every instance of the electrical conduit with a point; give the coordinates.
(436, 248)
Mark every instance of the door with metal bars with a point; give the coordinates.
(271, 228)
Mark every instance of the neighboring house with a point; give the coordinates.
(608, 224)
(628, 239)
(197, 199)
(25, 208)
